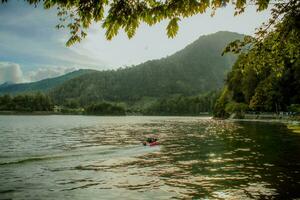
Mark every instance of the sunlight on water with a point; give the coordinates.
(78, 157)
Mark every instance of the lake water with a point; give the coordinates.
(85, 157)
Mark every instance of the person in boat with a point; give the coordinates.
(150, 140)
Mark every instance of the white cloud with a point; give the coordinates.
(10, 72)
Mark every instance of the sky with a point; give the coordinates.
(31, 48)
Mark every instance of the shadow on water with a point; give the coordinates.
(199, 158)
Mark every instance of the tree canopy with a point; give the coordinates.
(114, 15)
(182, 105)
(267, 76)
(284, 20)
(26, 103)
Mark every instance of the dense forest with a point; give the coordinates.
(105, 108)
(197, 69)
(267, 77)
(175, 105)
(26, 103)
(181, 105)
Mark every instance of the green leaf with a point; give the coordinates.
(173, 27)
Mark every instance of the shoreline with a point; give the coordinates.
(83, 114)
(292, 124)
(295, 120)
(284, 121)
(28, 113)
(248, 117)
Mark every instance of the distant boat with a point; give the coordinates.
(153, 143)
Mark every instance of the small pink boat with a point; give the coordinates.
(153, 144)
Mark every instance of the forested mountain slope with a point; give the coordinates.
(196, 69)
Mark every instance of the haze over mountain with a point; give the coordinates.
(198, 68)
(40, 86)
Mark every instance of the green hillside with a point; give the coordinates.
(40, 86)
(196, 69)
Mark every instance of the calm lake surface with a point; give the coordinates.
(84, 157)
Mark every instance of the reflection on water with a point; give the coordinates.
(78, 157)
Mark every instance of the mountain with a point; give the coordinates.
(6, 84)
(40, 86)
(196, 69)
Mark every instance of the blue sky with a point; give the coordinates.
(32, 48)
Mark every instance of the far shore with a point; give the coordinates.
(90, 114)
(247, 117)
(29, 113)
